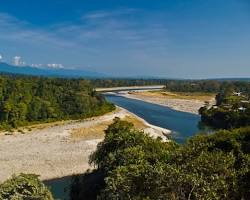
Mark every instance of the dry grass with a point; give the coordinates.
(96, 131)
(177, 95)
(89, 133)
(37, 126)
(137, 123)
(45, 125)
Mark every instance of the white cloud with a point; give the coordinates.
(101, 14)
(108, 36)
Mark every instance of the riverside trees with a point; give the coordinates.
(25, 100)
(232, 110)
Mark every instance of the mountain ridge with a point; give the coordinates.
(27, 70)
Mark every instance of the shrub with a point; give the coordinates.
(24, 187)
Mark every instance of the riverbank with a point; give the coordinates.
(146, 87)
(184, 103)
(60, 149)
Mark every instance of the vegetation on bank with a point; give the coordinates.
(232, 109)
(202, 86)
(24, 187)
(208, 86)
(131, 165)
(106, 83)
(25, 100)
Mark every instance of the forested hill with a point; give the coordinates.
(25, 100)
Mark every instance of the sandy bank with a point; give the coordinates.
(184, 105)
(154, 87)
(52, 152)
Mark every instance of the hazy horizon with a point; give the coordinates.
(168, 39)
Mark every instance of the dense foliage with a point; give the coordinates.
(24, 187)
(31, 99)
(213, 86)
(105, 83)
(232, 110)
(131, 165)
(224, 118)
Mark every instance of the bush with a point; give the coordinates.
(24, 187)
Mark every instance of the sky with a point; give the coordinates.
(143, 38)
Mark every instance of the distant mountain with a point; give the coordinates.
(232, 79)
(68, 73)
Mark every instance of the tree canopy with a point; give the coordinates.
(232, 110)
(25, 100)
(131, 165)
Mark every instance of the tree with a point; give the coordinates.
(24, 187)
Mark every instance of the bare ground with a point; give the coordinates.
(60, 149)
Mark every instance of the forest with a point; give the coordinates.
(113, 82)
(131, 165)
(25, 100)
(212, 86)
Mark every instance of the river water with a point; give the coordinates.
(183, 125)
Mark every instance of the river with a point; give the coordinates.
(183, 125)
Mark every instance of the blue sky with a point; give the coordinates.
(167, 38)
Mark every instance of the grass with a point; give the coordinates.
(137, 123)
(89, 133)
(97, 131)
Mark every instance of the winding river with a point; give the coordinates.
(183, 125)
